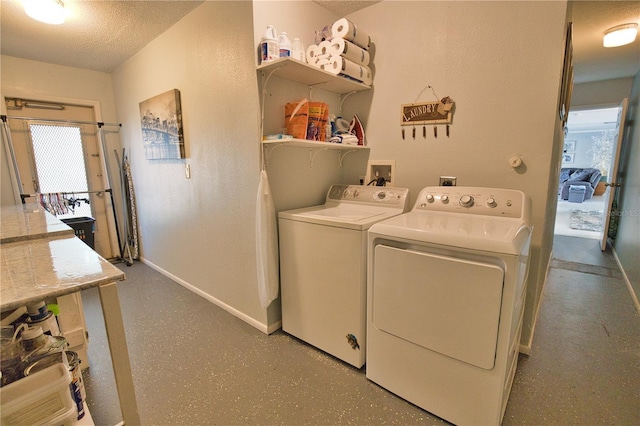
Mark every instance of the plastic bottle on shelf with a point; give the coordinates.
(297, 50)
(269, 46)
(285, 45)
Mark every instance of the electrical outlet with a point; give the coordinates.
(448, 180)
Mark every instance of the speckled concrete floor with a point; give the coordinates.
(195, 364)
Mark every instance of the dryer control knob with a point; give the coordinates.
(430, 198)
(444, 199)
(466, 201)
(491, 202)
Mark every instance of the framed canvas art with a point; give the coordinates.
(161, 122)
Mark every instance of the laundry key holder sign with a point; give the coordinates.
(438, 112)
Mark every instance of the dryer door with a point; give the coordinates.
(448, 305)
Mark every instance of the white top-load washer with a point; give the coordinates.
(446, 291)
(323, 258)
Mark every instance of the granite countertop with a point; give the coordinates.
(28, 222)
(41, 258)
(33, 270)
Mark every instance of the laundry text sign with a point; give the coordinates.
(427, 113)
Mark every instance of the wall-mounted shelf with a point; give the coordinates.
(314, 148)
(300, 72)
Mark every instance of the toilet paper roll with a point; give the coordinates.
(339, 65)
(324, 48)
(323, 60)
(343, 28)
(350, 51)
(312, 53)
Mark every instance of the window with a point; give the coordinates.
(60, 165)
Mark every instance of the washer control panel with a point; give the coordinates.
(473, 200)
(380, 195)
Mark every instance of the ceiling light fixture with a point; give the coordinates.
(620, 35)
(47, 11)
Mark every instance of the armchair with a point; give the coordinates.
(586, 177)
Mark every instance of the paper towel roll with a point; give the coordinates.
(343, 28)
(350, 51)
(339, 65)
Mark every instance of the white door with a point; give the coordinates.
(48, 149)
(612, 185)
(444, 304)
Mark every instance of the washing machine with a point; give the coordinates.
(446, 292)
(323, 258)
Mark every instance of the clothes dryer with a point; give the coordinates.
(446, 292)
(323, 258)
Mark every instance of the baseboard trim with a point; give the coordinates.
(233, 311)
(625, 277)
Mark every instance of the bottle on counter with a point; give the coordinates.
(269, 46)
(285, 45)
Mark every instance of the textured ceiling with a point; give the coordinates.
(97, 35)
(592, 61)
(344, 7)
(100, 35)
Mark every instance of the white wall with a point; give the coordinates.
(627, 242)
(201, 230)
(48, 82)
(583, 154)
(502, 70)
(606, 92)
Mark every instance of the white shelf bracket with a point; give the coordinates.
(342, 154)
(312, 155)
(315, 86)
(269, 150)
(343, 98)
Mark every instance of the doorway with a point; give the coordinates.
(589, 144)
(57, 150)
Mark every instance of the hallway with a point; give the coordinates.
(194, 363)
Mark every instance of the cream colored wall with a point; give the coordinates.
(55, 83)
(201, 231)
(43, 81)
(502, 70)
(604, 92)
(627, 242)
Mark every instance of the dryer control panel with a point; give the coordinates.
(379, 195)
(474, 200)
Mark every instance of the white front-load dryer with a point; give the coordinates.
(446, 290)
(323, 267)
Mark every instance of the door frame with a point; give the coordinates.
(109, 208)
(589, 108)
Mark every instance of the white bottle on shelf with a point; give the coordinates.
(269, 47)
(285, 45)
(297, 50)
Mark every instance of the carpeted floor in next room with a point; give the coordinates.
(195, 364)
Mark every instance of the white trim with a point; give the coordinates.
(97, 110)
(526, 348)
(625, 277)
(233, 311)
